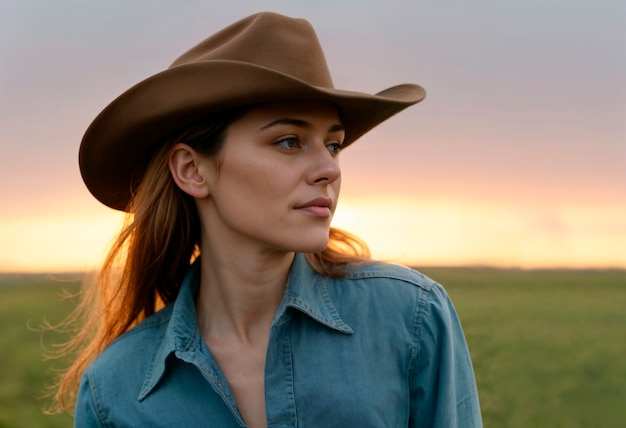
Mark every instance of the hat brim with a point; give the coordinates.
(120, 140)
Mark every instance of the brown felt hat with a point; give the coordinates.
(262, 58)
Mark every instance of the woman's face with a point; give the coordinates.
(276, 180)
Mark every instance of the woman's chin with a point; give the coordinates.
(312, 245)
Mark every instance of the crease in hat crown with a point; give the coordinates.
(262, 58)
(294, 50)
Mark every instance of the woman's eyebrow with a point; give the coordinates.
(336, 128)
(300, 123)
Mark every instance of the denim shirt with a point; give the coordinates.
(380, 348)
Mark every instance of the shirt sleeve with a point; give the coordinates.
(442, 383)
(86, 415)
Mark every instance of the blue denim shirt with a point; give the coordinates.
(381, 348)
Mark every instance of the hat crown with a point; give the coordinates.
(279, 43)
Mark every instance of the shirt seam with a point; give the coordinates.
(418, 317)
(426, 284)
(95, 399)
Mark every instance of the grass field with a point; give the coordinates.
(25, 301)
(549, 347)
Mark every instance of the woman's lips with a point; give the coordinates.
(317, 211)
(319, 207)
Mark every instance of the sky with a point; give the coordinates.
(516, 158)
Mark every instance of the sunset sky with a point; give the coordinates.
(517, 157)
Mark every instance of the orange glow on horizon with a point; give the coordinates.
(461, 233)
(57, 243)
(397, 229)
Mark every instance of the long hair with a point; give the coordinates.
(148, 260)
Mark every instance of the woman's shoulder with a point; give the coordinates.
(113, 385)
(382, 297)
(396, 286)
(385, 273)
(134, 348)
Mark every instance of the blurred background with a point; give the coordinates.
(507, 184)
(517, 157)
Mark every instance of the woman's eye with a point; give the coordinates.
(334, 147)
(289, 143)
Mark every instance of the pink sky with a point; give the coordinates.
(517, 157)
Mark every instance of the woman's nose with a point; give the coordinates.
(324, 167)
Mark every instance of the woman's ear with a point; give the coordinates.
(184, 164)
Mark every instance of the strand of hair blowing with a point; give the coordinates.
(143, 272)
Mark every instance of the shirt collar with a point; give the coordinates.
(181, 333)
(306, 291)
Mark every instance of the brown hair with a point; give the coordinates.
(147, 262)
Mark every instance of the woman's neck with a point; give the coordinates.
(239, 296)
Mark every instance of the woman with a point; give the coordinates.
(228, 300)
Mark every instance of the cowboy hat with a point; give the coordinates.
(262, 58)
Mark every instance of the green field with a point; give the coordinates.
(549, 347)
(25, 301)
